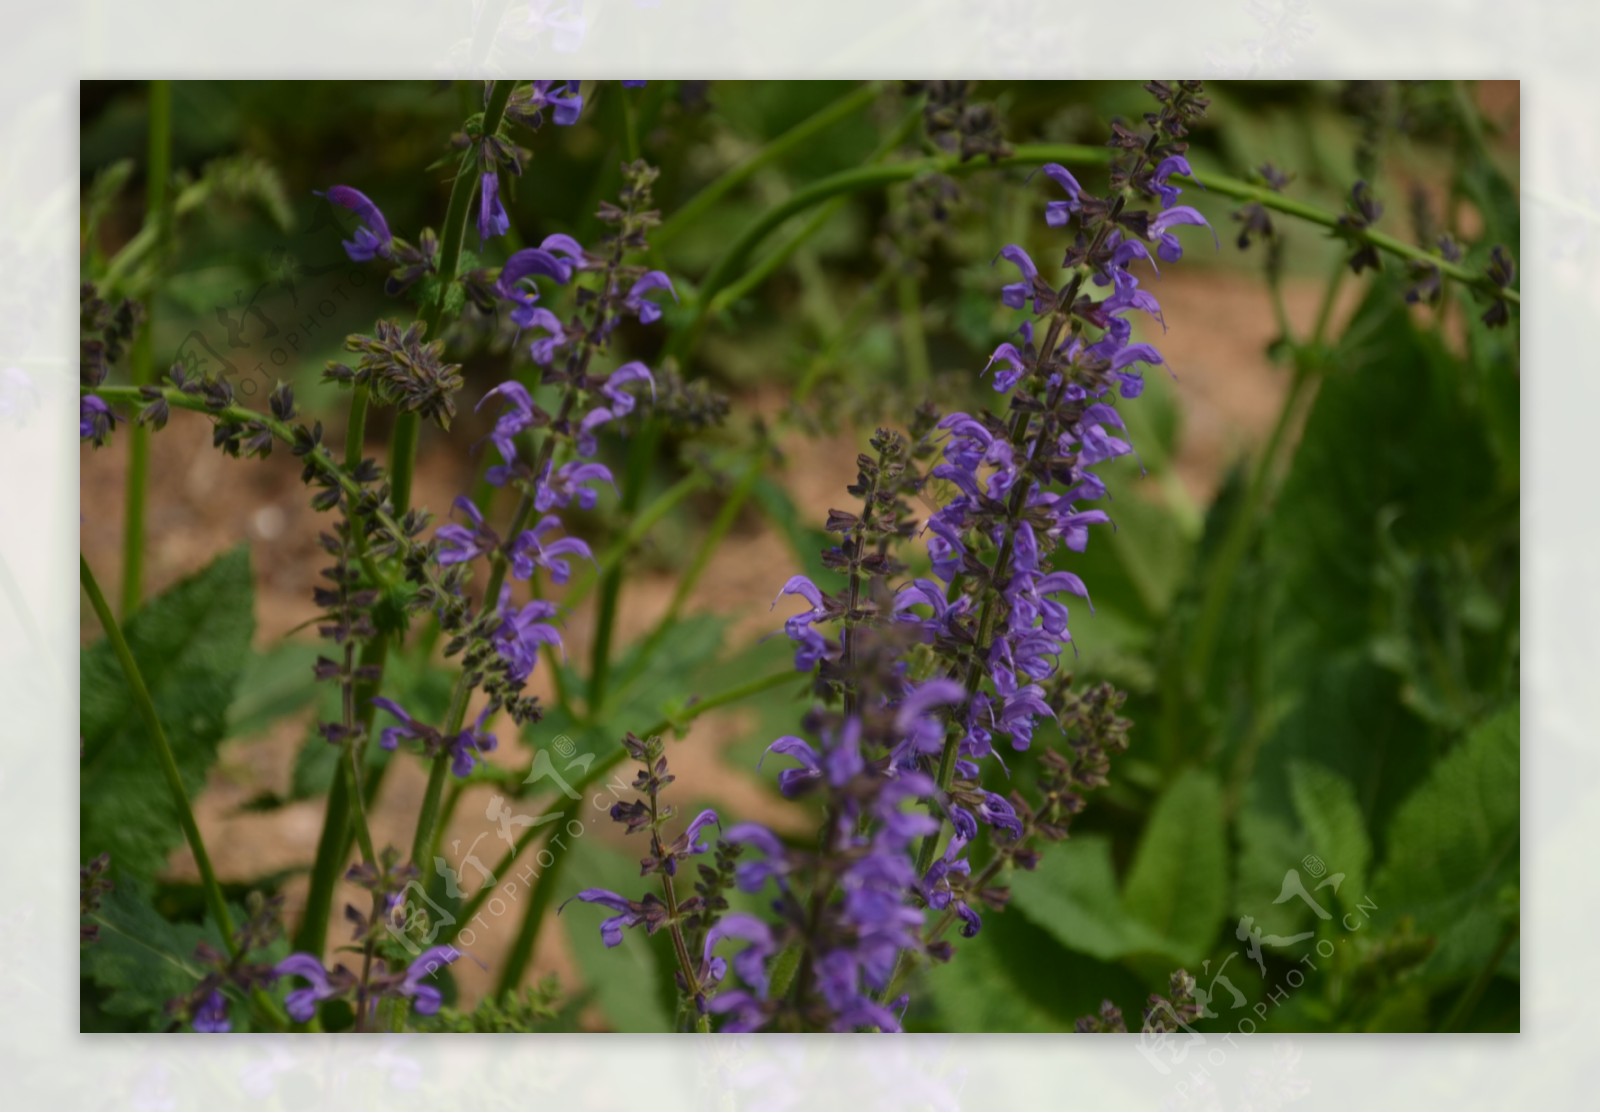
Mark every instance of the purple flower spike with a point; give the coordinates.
(492, 218)
(373, 237)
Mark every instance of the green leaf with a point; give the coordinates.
(141, 961)
(625, 978)
(1072, 894)
(191, 644)
(1178, 884)
(275, 684)
(1336, 830)
(1452, 848)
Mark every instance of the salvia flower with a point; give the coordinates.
(531, 550)
(492, 217)
(373, 238)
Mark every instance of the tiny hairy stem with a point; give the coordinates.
(215, 903)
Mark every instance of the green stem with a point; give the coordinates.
(843, 108)
(158, 213)
(169, 765)
(407, 426)
(642, 451)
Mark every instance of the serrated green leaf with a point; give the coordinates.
(140, 960)
(1178, 884)
(191, 643)
(1336, 829)
(1072, 894)
(1451, 849)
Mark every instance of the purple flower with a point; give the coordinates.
(636, 303)
(529, 551)
(1007, 354)
(469, 743)
(1167, 243)
(521, 633)
(629, 913)
(750, 964)
(561, 96)
(544, 348)
(1172, 164)
(1057, 213)
(390, 737)
(620, 403)
(523, 266)
(212, 1015)
(793, 782)
(571, 483)
(302, 1003)
(515, 418)
(492, 218)
(753, 873)
(460, 544)
(1016, 294)
(426, 999)
(373, 238)
(95, 420)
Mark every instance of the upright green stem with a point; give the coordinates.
(407, 426)
(146, 707)
(158, 213)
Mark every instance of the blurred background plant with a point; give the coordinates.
(1311, 595)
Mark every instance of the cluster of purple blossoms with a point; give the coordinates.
(994, 615)
(545, 443)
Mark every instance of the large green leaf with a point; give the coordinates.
(1178, 884)
(1336, 831)
(1072, 894)
(1451, 860)
(140, 960)
(191, 644)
